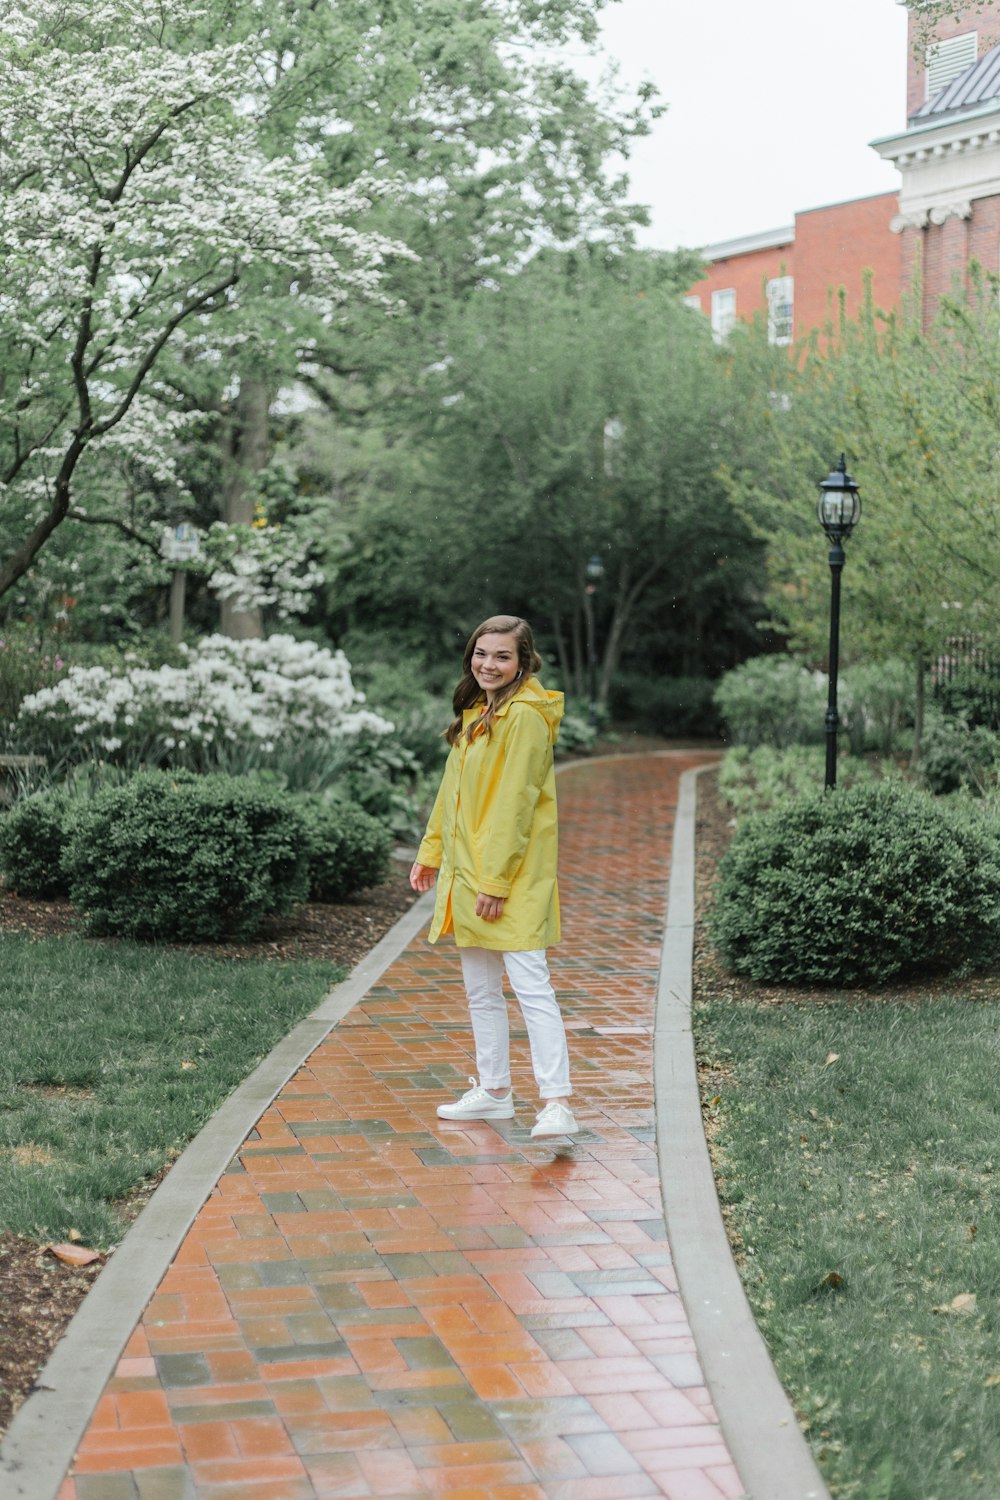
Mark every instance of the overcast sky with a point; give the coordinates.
(771, 108)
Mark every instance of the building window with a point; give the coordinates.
(780, 309)
(723, 311)
(946, 60)
(693, 301)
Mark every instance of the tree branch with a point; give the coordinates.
(152, 353)
(122, 526)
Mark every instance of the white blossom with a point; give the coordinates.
(262, 567)
(136, 197)
(262, 692)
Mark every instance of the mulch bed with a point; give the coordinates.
(38, 1296)
(341, 933)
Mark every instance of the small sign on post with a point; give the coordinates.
(179, 544)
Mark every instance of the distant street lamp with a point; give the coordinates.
(839, 509)
(595, 572)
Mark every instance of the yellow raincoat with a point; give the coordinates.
(493, 828)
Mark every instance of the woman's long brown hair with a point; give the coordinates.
(469, 693)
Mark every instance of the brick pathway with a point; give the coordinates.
(373, 1302)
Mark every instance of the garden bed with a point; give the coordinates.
(853, 1135)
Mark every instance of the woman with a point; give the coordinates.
(493, 835)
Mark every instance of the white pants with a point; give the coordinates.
(528, 972)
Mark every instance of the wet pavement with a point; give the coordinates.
(376, 1302)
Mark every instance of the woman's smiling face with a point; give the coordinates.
(494, 662)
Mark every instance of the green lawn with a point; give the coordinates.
(112, 1058)
(863, 1193)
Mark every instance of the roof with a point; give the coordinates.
(765, 239)
(979, 82)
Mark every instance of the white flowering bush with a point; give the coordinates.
(231, 704)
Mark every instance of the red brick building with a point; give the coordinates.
(949, 154)
(946, 213)
(797, 274)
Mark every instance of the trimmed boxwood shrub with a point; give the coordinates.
(348, 850)
(33, 837)
(856, 886)
(180, 857)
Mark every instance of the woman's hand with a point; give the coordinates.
(422, 877)
(490, 908)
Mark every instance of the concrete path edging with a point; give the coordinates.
(757, 1420)
(42, 1439)
(758, 1423)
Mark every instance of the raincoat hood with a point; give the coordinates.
(551, 706)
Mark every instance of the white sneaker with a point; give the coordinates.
(555, 1119)
(477, 1104)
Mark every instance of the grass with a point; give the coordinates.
(113, 1057)
(857, 1149)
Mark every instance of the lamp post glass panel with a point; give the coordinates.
(839, 509)
(595, 572)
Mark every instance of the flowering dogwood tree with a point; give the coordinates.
(260, 567)
(140, 212)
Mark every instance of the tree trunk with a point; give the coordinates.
(247, 448)
(579, 654)
(15, 567)
(178, 589)
(612, 649)
(918, 711)
(562, 654)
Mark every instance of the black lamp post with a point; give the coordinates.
(595, 572)
(839, 509)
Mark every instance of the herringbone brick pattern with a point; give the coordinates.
(376, 1302)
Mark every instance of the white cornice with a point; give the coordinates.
(972, 128)
(945, 164)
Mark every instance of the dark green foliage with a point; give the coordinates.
(682, 707)
(972, 694)
(856, 886)
(420, 717)
(348, 849)
(186, 858)
(576, 733)
(955, 754)
(33, 837)
(383, 777)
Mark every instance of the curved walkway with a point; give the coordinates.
(375, 1302)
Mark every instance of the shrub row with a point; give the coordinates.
(859, 885)
(176, 856)
(774, 700)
